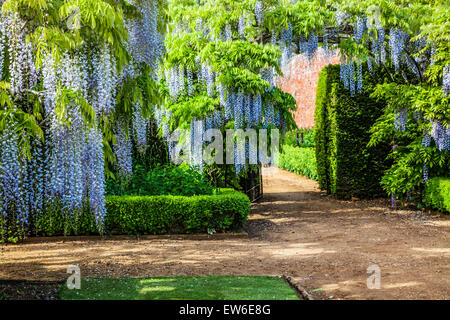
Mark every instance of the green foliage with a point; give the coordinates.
(57, 222)
(409, 157)
(305, 17)
(64, 27)
(286, 103)
(327, 77)
(192, 108)
(347, 167)
(290, 138)
(406, 173)
(238, 63)
(437, 194)
(98, 20)
(225, 210)
(25, 124)
(161, 180)
(300, 161)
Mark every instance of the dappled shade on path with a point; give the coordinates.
(323, 244)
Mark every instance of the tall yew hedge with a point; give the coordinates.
(346, 166)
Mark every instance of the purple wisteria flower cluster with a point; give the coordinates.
(67, 169)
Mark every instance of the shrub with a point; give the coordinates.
(345, 165)
(225, 210)
(437, 194)
(321, 126)
(308, 138)
(299, 160)
(161, 180)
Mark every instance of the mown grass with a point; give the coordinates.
(183, 288)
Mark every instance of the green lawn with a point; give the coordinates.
(183, 288)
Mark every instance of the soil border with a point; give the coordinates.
(217, 236)
(301, 292)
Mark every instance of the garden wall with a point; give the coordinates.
(300, 79)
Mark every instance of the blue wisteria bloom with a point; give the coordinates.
(401, 119)
(446, 79)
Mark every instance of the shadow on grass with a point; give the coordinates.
(183, 288)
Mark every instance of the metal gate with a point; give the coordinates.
(253, 184)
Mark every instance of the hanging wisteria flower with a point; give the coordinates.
(359, 76)
(230, 105)
(425, 173)
(241, 26)
(401, 119)
(274, 38)
(312, 46)
(197, 140)
(426, 140)
(228, 33)
(340, 17)
(239, 111)
(446, 79)
(123, 149)
(397, 42)
(93, 161)
(347, 75)
(259, 13)
(190, 81)
(440, 135)
(11, 179)
(2, 48)
(67, 169)
(139, 126)
(369, 65)
(360, 27)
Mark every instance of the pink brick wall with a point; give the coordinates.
(300, 79)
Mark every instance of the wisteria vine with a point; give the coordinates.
(66, 168)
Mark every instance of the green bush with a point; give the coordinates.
(321, 127)
(225, 210)
(346, 166)
(56, 222)
(291, 138)
(299, 160)
(161, 180)
(437, 194)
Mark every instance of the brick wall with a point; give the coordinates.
(300, 78)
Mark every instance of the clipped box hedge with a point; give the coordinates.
(346, 167)
(437, 194)
(225, 210)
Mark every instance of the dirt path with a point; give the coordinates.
(325, 245)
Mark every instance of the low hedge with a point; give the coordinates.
(225, 210)
(301, 161)
(437, 194)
